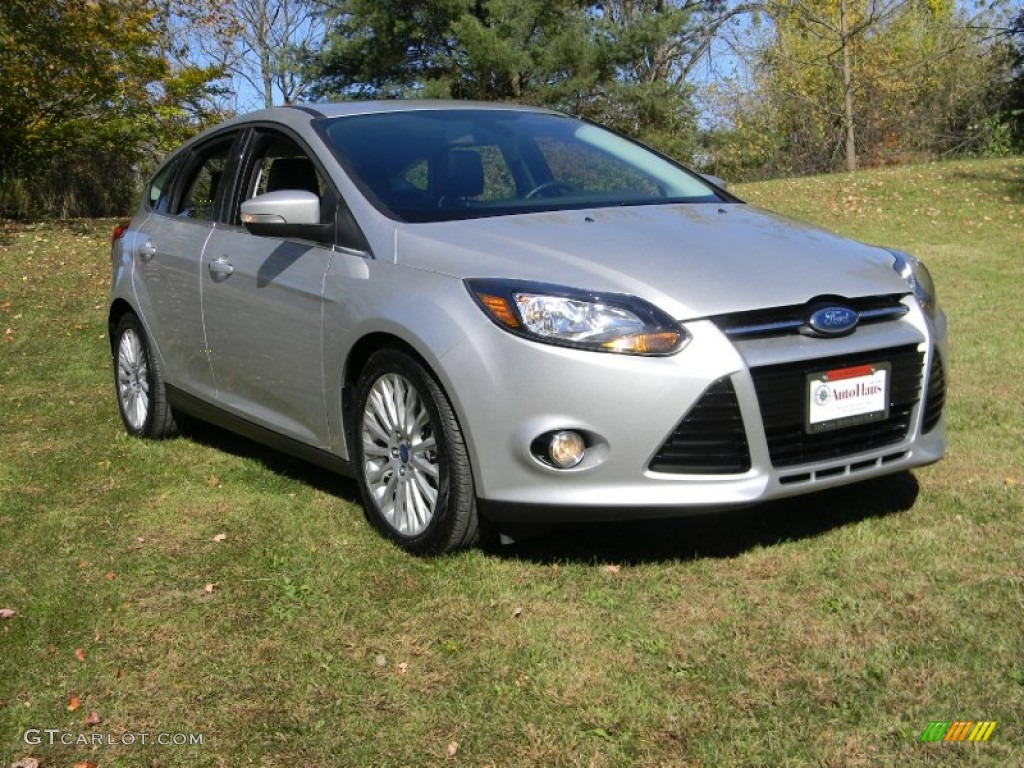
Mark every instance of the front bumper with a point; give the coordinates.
(508, 391)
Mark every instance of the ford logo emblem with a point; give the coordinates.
(832, 321)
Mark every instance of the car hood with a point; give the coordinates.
(693, 260)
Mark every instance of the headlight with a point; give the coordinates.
(564, 316)
(918, 278)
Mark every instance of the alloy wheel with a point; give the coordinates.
(400, 457)
(133, 379)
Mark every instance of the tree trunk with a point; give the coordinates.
(851, 146)
(262, 44)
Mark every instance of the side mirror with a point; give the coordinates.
(286, 213)
(718, 182)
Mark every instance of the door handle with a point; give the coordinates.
(147, 250)
(221, 268)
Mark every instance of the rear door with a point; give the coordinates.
(167, 250)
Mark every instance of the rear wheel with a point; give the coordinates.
(139, 383)
(413, 467)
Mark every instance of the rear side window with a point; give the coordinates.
(203, 182)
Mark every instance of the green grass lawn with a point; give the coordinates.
(205, 586)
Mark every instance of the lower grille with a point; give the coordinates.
(935, 397)
(710, 440)
(781, 393)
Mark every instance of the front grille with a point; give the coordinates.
(781, 321)
(710, 440)
(935, 398)
(782, 389)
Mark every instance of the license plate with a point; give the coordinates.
(844, 397)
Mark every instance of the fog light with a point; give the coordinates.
(565, 450)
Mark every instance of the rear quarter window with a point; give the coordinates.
(158, 197)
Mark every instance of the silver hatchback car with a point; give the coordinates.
(489, 311)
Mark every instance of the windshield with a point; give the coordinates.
(439, 165)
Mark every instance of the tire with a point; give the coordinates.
(139, 383)
(411, 460)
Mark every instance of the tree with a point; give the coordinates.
(650, 48)
(836, 30)
(621, 62)
(837, 82)
(261, 45)
(449, 48)
(85, 96)
(1014, 107)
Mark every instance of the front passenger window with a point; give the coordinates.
(277, 163)
(277, 173)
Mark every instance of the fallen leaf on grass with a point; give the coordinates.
(111, 575)
(93, 718)
(213, 481)
(80, 654)
(517, 613)
(73, 704)
(7, 613)
(453, 748)
(381, 660)
(220, 537)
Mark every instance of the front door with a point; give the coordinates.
(262, 301)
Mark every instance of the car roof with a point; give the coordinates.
(299, 116)
(344, 108)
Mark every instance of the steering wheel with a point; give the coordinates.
(548, 186)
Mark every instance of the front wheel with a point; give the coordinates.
(139, 383)
(412, 463)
